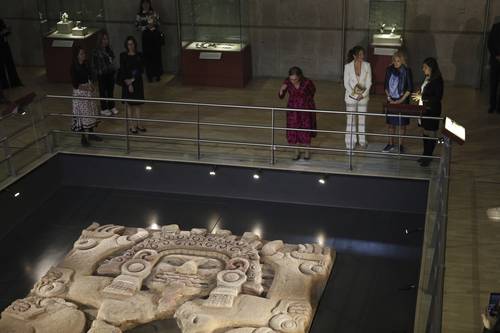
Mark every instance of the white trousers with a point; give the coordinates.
(355, 123)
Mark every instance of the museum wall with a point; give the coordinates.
(295, 32)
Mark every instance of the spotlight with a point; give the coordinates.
(148, 168)
(322, 180)
(412, 231)
(154, 226)
(256, 175)
(321, 239)
(213, 171)
(17, 194)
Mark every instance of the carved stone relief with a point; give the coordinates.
(117, 278)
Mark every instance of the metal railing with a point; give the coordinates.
(271, 144)
(44, 137)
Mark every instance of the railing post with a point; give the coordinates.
(6, 150)
(198, 132)
(272, 137)
(127, 139)
(399, 134)
(351, 137)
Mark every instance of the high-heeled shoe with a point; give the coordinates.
(296, 157)
(140, 129)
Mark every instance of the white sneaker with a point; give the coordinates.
(114, 111)
(106, 113)
(493, 213)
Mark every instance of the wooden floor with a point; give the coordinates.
(473, 244)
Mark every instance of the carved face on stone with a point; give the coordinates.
(186, 270)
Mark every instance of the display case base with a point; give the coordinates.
(58, 53)
(217, 68)
(380, 57)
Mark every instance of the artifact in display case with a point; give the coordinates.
(116, 278)
(209, 46)
(215, 43)
(387, 20)
(79, 30)
(64, 26)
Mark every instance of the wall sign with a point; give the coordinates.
(211, 55)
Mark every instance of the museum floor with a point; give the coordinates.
(473, 263)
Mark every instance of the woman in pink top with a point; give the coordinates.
(300, 96)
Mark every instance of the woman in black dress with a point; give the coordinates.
(148, 22)
(131, 70)
(430, 96)
(8, 72)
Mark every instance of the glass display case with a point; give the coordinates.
(387, 21)
(76, 18)
(214, 25)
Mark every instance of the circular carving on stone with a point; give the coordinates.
(231, 277)
(21, 306)
(85, 244)
(136, 267)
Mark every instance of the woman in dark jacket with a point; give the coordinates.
(130, 78)
(398, 87)
(430, 96)
(148, 22)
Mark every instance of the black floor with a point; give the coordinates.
(375, 261)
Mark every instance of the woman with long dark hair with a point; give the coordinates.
(131, 70)
(357, 83)
(82, 87)
(148, 22)
(104, 70)
(430, 96)
(300, 92)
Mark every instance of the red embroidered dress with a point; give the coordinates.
(300, 98)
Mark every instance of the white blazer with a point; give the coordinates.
(350, 81)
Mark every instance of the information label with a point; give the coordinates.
(62, 43)
(384, 51)
(211, 55)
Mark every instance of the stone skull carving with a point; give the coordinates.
(125, 277)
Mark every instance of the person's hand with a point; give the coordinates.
(416, 97)
(283, 88)
(128, 82)
(131, 89)
(360, 97)
(395, 102)
(487, 319)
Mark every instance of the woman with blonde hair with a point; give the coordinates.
(398, 88)
(357, 83)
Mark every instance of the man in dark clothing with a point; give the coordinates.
(494, 48)
(8, 72)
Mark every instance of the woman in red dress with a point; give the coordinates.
(300, 96)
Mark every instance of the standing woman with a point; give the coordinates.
(398, 88)
(82, 87)
(300, 96)
(131, 70)
(104, 70)
(357, 83)
(430, 96)
(148, 22)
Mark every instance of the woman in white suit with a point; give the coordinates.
(357, 83)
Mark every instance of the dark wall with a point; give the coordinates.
(370, 193)
(34, 189)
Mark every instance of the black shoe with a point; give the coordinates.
(94, 137)
(84, 141)
(133, 130)
(140, 129)
(401, 149)
(425, 162)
